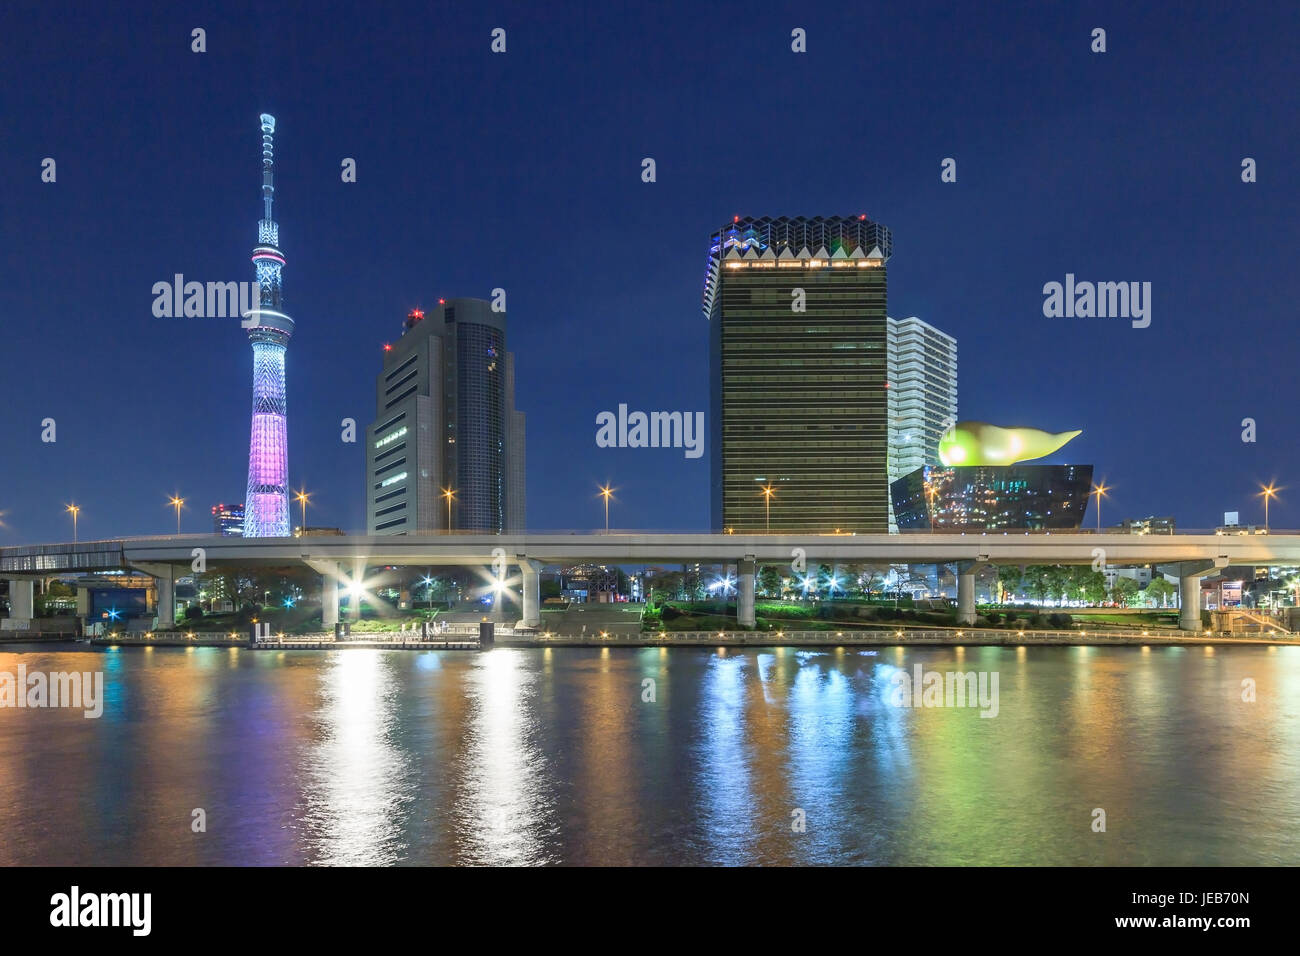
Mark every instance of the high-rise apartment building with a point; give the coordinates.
(922, 395)
(446, 448)
(798, 399)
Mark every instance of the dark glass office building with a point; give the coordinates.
(446, 421)
(992, 497)
(798, 400)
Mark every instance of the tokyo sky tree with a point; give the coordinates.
(266, 507)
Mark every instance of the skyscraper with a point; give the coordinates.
(798, 392)
(228, 520)
(922, 395)
(447, 445)
(266, 506)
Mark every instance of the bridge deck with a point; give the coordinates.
(627, 548)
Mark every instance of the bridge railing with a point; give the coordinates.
(882, 636)
(155, 637)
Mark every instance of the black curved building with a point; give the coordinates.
(992, 497)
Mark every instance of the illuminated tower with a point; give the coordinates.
(266, 507)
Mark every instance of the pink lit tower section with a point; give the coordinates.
(266, 507)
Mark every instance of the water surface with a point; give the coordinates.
(552, 756)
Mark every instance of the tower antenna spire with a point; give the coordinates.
(268, 161)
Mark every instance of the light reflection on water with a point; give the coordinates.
(560, 755)
(503, 810)
(356, 784)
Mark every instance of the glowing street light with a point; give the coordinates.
(768, 492)
(1100, 491)
(302, 498)
(606, 492)
(74, 510)
(449, 495)
(1267, 492)
(176, 503)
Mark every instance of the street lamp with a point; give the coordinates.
(606, 492)
(176, 503)
(449, 495)
(74, 510)
(1100, 491)
(302, 497)
(1266, 493)
(768, 492)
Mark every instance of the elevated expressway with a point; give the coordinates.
(343, 559)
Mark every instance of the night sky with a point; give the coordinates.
(523, 171)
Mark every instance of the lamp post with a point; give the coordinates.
(176, 503)
(1100, 491)
(768, 492)
(1267, 492)
(449, 494)
(302, 498)
(74, 510)
(606, 492)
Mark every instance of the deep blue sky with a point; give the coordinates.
(523, 171)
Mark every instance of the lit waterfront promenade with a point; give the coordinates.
(881, 637)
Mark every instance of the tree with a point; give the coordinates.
(769, 581)
(1160, 590)
(1009, 578)
(873, 580)
(1035, 582)
(850, 579)
(666, 585)
(824, 577)
(1094, 587)
(1124, 591)
(1058, 582)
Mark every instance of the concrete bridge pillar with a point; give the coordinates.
(354, 591)
(1189, 574)
(966, 589)
(166, 603)
(745, 569)
(22, 599)
(329, 599)
(531, 591)
(1189, 602)
(329, 590)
